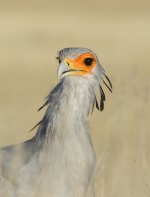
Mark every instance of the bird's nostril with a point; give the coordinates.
(67, 63)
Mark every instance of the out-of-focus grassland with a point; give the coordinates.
(31, 33)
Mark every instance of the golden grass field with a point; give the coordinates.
(31, 33)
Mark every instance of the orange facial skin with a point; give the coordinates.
(78, 65)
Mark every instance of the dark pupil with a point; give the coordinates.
(88, 61)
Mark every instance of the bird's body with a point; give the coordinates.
(59, 160)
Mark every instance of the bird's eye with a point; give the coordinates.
(88, 61)
(59, 60)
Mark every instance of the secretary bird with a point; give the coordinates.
(59, 160)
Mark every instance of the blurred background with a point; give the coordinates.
(32, 32)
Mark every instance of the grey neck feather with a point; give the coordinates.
(69, 104)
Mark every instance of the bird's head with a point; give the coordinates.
(83, 62)
(78, 62)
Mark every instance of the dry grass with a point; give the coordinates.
(119, 32)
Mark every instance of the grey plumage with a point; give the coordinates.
(60, 158)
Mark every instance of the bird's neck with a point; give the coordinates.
(75, 105)
(77, 98)
(68, 110)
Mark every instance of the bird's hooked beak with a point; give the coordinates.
(63, 67)
(66, 67)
